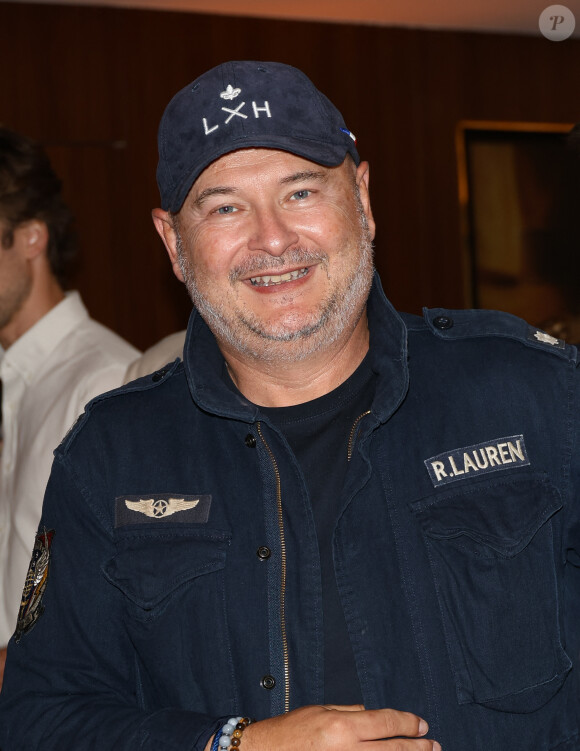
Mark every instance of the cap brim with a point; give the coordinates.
(329, 155)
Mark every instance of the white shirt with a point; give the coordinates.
(161, 353)
(48, 375)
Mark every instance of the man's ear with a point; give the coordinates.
(362, 180)
(164, 225)
(32, 238)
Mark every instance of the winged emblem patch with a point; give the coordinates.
(156, 508)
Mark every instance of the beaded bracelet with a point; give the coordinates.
(230, 736)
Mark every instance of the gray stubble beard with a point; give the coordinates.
(337, 312)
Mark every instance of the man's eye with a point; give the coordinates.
(226, 210)
(300, 194)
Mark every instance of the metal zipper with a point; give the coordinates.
(352, 434)
(282, 574)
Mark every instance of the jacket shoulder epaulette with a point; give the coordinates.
(468, 324)
(145, 383)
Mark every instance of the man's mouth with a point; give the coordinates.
(273, 279)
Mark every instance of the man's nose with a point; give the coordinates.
(272, 232)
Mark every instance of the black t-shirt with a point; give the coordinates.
(319, 433)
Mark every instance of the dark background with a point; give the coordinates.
(91, 84)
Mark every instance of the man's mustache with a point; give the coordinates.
(294, 257)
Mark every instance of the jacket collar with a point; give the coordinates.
(207, 379)
(388, 347)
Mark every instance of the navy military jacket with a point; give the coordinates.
(183, 581)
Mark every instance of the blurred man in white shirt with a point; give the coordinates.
(53, 356)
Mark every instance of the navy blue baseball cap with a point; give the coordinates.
(240, 105)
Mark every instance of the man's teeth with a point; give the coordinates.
(268, 281)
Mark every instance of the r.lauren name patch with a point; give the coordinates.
(490, 456)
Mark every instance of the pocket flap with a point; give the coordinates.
(503, 515)
(147, 568)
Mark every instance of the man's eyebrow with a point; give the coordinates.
(225, 190)
(209, 192)
(305, 175)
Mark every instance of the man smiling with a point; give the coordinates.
(276, 544)
(277, 258)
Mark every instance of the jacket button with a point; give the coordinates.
(250, 441)
(159, 375)
(268, 682)
(443, 322)
(263, 552)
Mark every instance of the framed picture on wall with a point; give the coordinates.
(519, 193)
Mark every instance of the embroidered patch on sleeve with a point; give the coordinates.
(490, 456)
(156, 508)
(31, 607)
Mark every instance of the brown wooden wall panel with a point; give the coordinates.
(91, 83)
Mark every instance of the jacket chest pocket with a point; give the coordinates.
(492, 557)
(155, 570)
(172, 586)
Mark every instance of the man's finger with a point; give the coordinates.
(345, 707)
(373, 724)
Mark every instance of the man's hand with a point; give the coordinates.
(2, 663)
(339, 728)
